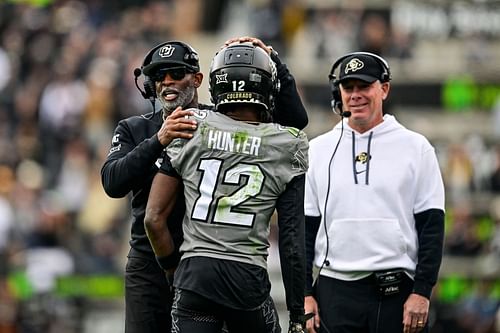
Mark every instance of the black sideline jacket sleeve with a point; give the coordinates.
(289, 108)
(312, 227)
(290, 208)
(128, 161)
(430, 230)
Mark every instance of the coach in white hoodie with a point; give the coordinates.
(374, 207)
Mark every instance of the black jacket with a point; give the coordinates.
(130, 167)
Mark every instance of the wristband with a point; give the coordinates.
(302, 318)
(169, 262)
(295, 327)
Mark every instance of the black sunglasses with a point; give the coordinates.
(175, 73)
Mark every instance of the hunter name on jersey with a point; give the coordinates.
(234, 142)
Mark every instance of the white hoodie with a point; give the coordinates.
(373, 186)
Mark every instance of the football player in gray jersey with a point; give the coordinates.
(236, 170)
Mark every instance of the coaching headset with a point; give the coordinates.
(190, 59)
(336, 101)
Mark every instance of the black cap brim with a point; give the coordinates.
(365, 78)
(151, 68)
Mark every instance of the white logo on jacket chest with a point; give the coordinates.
(158, 162)
(115, 139)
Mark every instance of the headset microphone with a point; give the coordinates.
(137, 73)
(337, 105)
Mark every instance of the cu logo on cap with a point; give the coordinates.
(354, 65)
(166, 51)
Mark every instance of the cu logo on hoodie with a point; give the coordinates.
(363, 158)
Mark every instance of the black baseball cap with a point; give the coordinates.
(172, 55)
(362, 67)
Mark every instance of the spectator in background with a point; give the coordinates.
(266, 18)
(494, 244)
(462, 238)
(374, 34)
(48, 255)
(5, 69)
(62, 104)
(458, 173)
(496, 119)
(402, 44)
(8, 304)
(47, 258)
(476, 313)
(495, 176)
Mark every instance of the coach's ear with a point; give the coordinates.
(386, 86)
(198, 78)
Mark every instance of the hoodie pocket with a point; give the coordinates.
(365, 244)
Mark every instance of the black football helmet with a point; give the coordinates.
(243, 73)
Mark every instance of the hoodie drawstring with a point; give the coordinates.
(354, 160)
(367, 175)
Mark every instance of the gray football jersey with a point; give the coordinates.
(233, 173)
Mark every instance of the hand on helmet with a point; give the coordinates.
(244, 39)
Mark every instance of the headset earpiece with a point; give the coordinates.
(149, 88)
(336, 98)
(336, 101)
(148, 84)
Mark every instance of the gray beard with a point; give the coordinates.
(184, 98)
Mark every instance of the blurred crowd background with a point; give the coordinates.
(66, 78)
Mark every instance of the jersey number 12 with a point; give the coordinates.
(226, 207)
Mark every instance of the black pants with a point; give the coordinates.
(357, 307)
(148, 299)
(192, 313)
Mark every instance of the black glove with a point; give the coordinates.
(294, 327)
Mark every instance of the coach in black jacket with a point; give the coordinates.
(172, 76)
